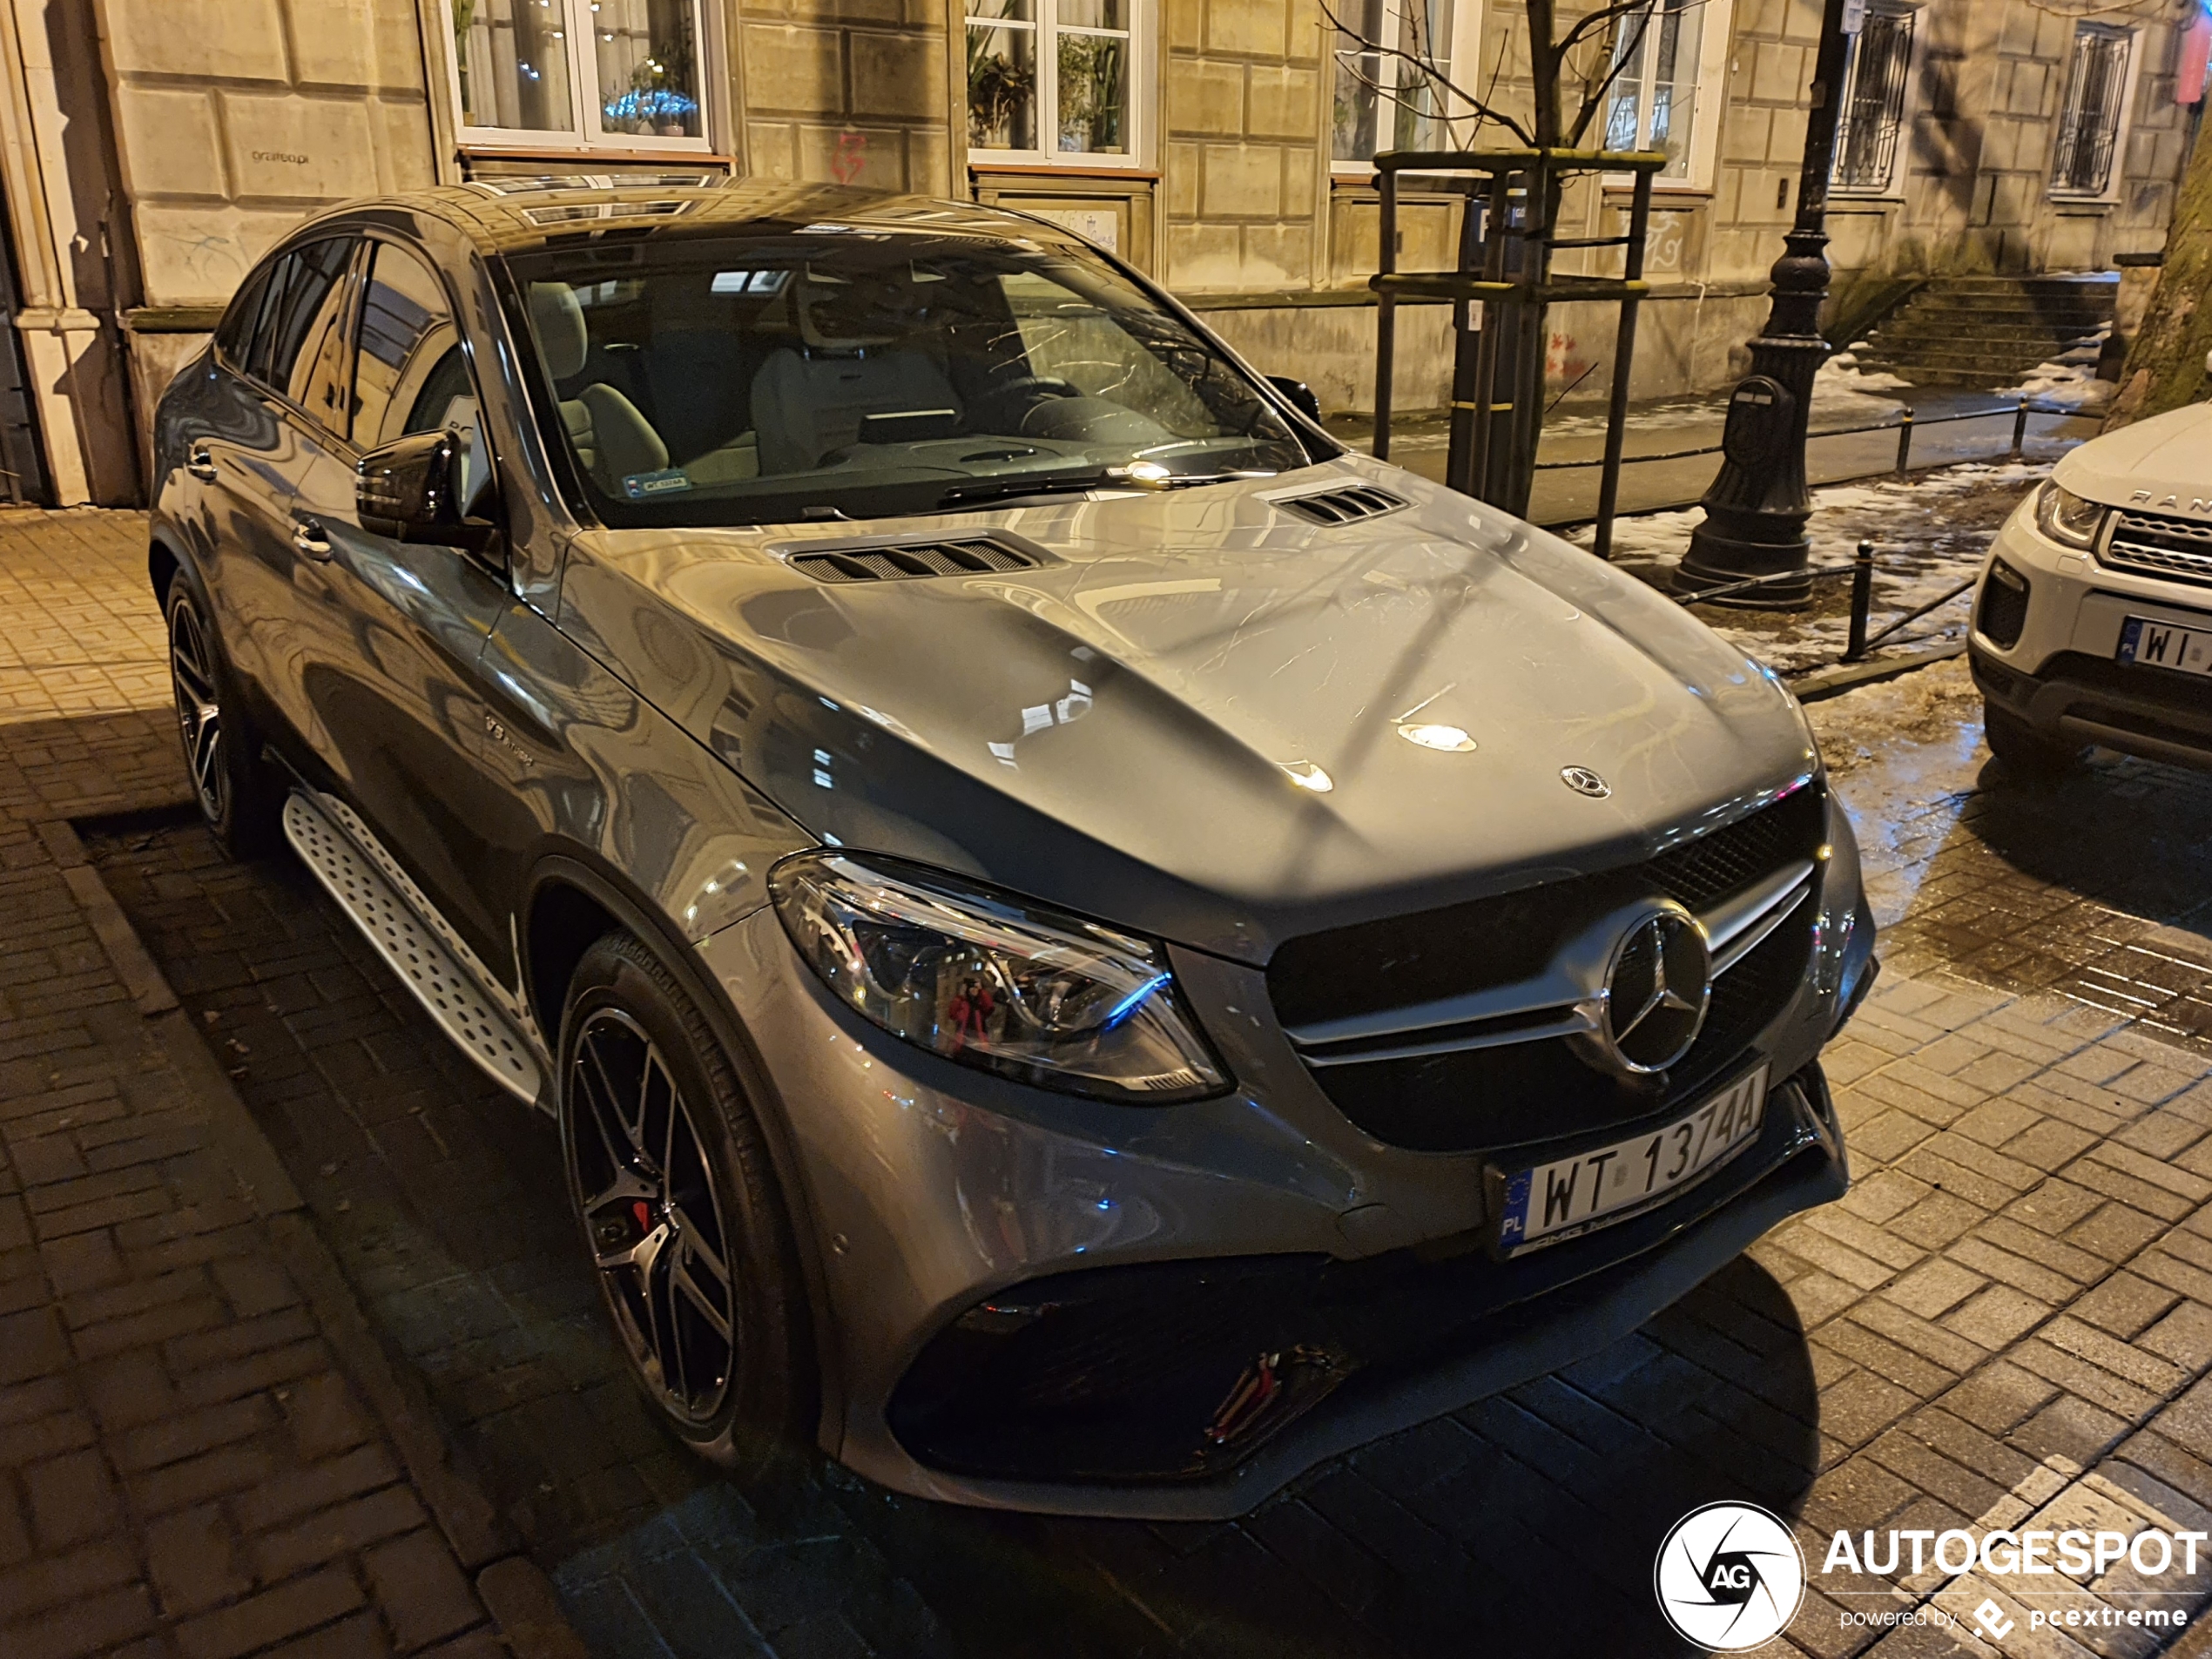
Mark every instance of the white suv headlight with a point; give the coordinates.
(992, 981)
(2067, 518)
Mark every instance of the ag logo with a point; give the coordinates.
(1729, 1576)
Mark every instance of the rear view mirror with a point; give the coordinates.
(1301, 394)
(410, 490)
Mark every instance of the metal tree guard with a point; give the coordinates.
(1505, 354)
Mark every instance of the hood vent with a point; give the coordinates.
(901, 560)
(1343, 506)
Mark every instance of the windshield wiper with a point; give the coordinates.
(1060, 484)
(1045, 484)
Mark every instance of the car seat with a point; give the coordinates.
(611, 436)
(810, 401)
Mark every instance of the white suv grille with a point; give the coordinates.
(2154, 544)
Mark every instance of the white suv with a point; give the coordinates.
(2093, 623)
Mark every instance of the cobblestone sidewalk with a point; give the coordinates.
(204, 1451)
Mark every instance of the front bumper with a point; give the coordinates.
(2058, 673)
(1041, 1303)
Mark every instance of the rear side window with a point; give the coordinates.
(291, 339)
(234, 334)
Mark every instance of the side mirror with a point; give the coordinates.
(411, 491)
(1301, 394)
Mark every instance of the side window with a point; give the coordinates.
(234, 334)
(261, 342)
(307, 350)
(409, 375)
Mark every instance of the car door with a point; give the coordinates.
(246, 457)
(390, 676)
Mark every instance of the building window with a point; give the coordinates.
(1874, 110)
(1050, 80)
(1387, 102)
(615, 74)
(1654, 102)
(2096, 86)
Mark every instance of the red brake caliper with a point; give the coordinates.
(640, 1209)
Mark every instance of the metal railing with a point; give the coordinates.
(1904, 425)
(1861, 570)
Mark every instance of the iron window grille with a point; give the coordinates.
(2089, 119)
(1873, 110)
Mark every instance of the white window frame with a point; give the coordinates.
(1707, 111)
(2123, 127)
(1467, 25)
(1889, 188)
(586, 98)
(1135, 154)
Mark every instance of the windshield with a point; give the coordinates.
(830, 371)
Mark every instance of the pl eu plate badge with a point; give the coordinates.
(1511, 1228)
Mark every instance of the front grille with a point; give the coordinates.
(1521, 1093)
(904, 560)
(1116, 1374)
(1518, 1093)
(1405, 961)
(2179, 550)
(1343, 506)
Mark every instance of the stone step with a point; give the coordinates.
(2107, 283)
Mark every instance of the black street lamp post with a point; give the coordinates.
(1757, 507)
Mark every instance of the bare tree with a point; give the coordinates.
(1582, 63)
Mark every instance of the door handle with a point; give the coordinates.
(307, 536)
(201, 464)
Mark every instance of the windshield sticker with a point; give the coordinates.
(640, 485)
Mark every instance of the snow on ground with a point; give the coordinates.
(2065, 386)
(2069, 380)
(1930, 533)
(1842, 386)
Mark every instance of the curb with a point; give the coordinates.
(514, 1589)
(1849, 676)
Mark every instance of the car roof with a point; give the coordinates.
(516, 215)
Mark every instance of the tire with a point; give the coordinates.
(239, 794)
(2025, 753)
(661, 1204)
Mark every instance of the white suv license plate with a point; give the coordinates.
(2162, 644)
(1594, 1189)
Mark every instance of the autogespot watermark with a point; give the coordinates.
(1730, 1577)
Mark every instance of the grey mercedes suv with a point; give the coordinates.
(1088, 947)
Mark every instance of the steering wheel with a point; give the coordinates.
(1036, 385)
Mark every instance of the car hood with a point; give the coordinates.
(1198, 718)
(2164, 464)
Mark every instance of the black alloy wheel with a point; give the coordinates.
(199, 709)
(677, 1202)
(650, 1208)
(238, 793)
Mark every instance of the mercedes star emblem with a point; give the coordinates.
(1583, 781)
(1657, 991)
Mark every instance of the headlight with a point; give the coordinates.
(983, 978)
(2065, 516)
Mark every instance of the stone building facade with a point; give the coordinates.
(151, 150)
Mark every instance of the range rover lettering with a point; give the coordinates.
(1089, 946)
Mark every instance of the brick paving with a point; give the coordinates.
(2007, 1322)
(193, 1461)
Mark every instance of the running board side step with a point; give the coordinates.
(448, 991)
